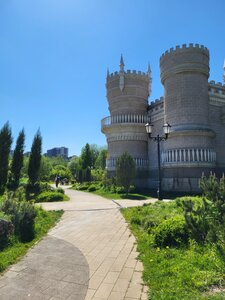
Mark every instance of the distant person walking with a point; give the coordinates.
(57, 180)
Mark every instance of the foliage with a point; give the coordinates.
(22, 215)
(51, 197)
(5, 144)
(60, 190)
(17, 160)
(100, 162)
(182, 272)
(6, 229)
(86, 158)
(43, 222)
(171, 232)
(205, 217)
(74, 166)
(196, 212)
(45, 168)
(62, 171)
(35, 159)
(92, 188)
(125, 170)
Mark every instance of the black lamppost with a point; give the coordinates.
(158, 139)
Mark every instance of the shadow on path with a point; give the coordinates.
(53, 269)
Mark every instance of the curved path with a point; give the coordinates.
(90, 254)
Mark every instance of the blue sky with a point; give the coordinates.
(54, 55)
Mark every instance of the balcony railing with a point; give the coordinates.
(188, 156)
(124, 118)
(140, 163)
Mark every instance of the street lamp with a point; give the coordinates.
(158, 139)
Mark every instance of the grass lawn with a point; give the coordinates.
(43, 222)
(188, 272)
(120, 196)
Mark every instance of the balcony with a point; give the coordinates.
(141, 163)
(190, 157)
(124, 119)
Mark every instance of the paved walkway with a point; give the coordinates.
(90, 254)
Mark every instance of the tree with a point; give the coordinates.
(86, 157)
(45, 169)
(125, 170)
(17, 161)
(5, 144)
(74, 166)
(35, 159)
(101, 159)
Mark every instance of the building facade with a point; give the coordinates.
(58, 151)
(194, 107)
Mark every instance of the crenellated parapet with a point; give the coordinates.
(217, 87)
(184, 49)
(188, 58)
(216, 93)
(129, 74)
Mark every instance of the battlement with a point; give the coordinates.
(157, 105)
(216, 85)
(129, 74)
(185, 48)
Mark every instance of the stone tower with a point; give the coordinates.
(190, 149)
(127, 95)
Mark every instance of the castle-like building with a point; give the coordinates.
(194, 107)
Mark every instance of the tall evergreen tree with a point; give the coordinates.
(86, 157)
(5, 144)
(17, 161)
(35, 159)
(125, 170)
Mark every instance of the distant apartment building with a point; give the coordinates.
(58, 151)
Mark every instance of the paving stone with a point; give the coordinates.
(90, 254)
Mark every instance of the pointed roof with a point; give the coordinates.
(149, 69)
(121, 63)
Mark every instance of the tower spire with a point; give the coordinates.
(149, 72)
(121, 64)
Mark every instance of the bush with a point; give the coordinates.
(22, 215)
(171, 232)
(92, 188)
(50, 197)
(60, 190)
(6, 229)
(196, 212)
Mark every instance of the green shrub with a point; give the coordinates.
(22, 215)
(171, 232)
(196, 214)
(60, 190)
(92, 188)
(50, 197)
(6, 229)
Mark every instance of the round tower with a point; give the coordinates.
(127, 95)
(189, 150)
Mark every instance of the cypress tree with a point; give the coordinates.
(5, 144)
(17, 161)
(35, 159)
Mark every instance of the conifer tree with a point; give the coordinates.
(5, 144)
(125, 170)
(86, 158)
(17, 161)
(35, 159)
